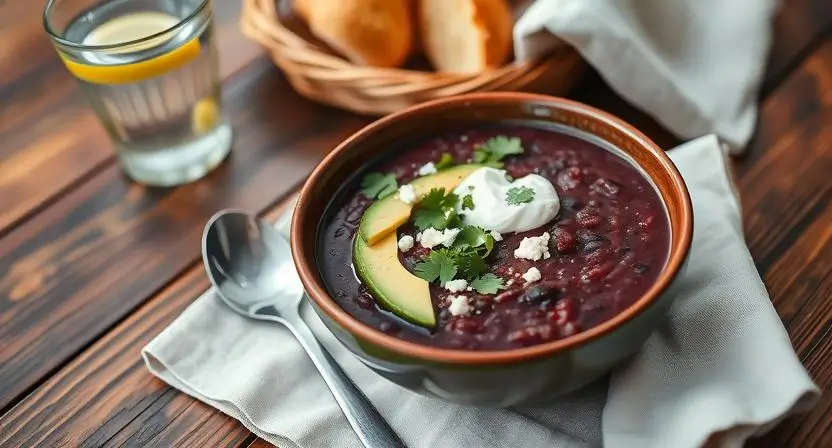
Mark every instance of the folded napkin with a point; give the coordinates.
(722, 367)
(694, 65)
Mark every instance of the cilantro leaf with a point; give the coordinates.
(426, 218)
(467, 202)
(479, 156)
(519, 195)
(470, 264)
(446, 161)
(379, 185)
(489, 244)
(437, 210)
(438, 264)
(495, 149)
(488, 284)
(502, 146)
(473, 236)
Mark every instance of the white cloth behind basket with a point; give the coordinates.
(694, 65)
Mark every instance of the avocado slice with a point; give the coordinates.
(406, 295)
(386, 215)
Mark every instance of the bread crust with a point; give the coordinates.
(485, 27)
(368, 32)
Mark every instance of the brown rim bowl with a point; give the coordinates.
(374, 140)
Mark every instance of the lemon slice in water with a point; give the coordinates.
(127, 28)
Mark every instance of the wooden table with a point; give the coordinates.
(93, 266)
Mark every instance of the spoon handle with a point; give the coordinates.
(365, 420)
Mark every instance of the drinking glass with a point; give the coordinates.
(149, 70)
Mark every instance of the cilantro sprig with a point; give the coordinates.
(439, 264)
(438, 210)
(465, 259)
(379, 185)
(495, 149)
(519, 195)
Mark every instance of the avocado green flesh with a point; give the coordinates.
(406, 295)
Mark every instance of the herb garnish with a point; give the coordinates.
(379, 185)
(467, 202)
(488, 284)
(519, 195)
(465, 259)
(495, 149)
(437, 264)
(446, 161)
(437, 210)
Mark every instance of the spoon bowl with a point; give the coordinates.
(249, 263)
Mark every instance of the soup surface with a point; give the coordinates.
(607, 245)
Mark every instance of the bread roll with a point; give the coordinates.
(302, 7)
(368, 32)
(465, 36)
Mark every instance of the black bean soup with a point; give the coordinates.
(608, 245)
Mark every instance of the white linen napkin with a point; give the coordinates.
(694, 65)
(722, 364)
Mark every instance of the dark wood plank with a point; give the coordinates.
(106, 394)
(106, 397)
(77, 268)
(50, 140)
(799, 28)
(787, 207)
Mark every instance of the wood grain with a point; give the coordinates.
(107, 397)
(786, 193)
(93, 256)
(799, 28)
(50, 140)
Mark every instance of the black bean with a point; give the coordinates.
(592, 246)
(538, 294)
(572, 203)
(585, 236)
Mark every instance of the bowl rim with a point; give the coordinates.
(315, 289)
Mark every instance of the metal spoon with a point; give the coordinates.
(250, 265)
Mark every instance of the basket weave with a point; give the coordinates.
(322, 76)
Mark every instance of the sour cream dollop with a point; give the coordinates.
(489, 188)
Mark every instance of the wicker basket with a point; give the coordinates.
(316, 73)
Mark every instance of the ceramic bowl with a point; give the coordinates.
(506, 377)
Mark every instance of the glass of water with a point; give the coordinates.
(149, 69)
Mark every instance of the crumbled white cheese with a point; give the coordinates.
(432, 237)
(428, 168)
(497, 235)
(407, 194)
(405, 243)
(534, 248)
(419, 236)
(456, 285)
(459, 306)
(510, 282)
(532, 275)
